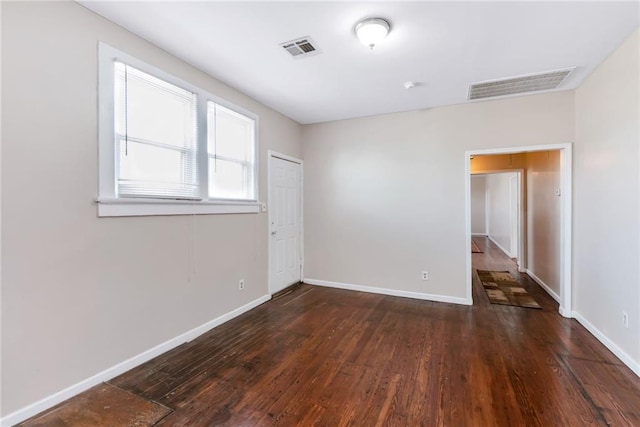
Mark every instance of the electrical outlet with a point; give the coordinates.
(625, 319)
(241, 285)
(425, 275)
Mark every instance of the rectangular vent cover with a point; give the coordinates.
(301, 48)
(516, 85)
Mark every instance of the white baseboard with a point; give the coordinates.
(543, 285)
(479, 234)
(566, 313)
(122, 367)
(620, 354)
(506, 252)
(392, 292)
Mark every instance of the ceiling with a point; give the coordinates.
(445, 46)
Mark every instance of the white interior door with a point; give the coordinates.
(285, 222)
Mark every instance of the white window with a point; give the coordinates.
(155, 136)
(230, 137)
(168, 147)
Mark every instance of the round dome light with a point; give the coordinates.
(372, 31)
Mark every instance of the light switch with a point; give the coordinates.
(263, 207)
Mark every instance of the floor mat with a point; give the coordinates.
(502, 288)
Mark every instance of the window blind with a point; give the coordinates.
(231, 150)
(155, 137)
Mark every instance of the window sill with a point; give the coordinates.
(109, 207)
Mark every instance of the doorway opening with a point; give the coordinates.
(544, 210)
(497, 211)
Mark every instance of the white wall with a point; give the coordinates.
(478, 205)
(385, 195)
(544, 210)
(499, 211)
(607, 196)
(80, 293)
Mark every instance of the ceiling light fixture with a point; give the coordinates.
(372, 31)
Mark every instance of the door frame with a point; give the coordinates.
(522, 238)
(274, 154)
(566, 216)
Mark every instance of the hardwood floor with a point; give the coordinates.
(329, 357)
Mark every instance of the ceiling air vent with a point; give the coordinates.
(301, 48)
(520, 84)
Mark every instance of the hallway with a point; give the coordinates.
(559, 349)
(492, 258)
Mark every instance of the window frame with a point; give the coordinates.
(111, 205)
(245, 164)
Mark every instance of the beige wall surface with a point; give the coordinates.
(607, 187)
(499, 212)
(478, 204)
(544, 217)
(385, 195)
(384, 200)
(80, 293)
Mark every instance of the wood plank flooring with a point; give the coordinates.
(105, 405)
(329, 357)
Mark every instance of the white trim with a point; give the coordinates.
(620, 354)
(566, 221)
(543, 285)
(275, 154)
(52, 400)
(566, 225)
(517, 150)
(106, 151)
(506, 252)
(391, 292)
(144, 207)
(271, 153)
(563, 313)
(479, 235)
(467, 224)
